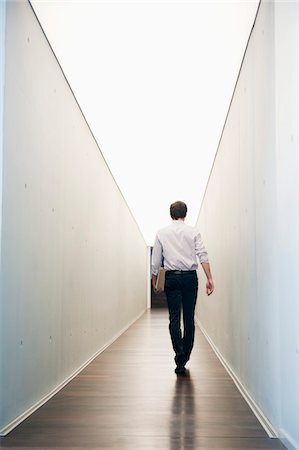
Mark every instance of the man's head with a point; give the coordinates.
(178, 210)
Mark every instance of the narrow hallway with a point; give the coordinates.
(130, 398)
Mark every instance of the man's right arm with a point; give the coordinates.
(210, 282)
(204, 260)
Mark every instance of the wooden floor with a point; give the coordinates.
(130, 398)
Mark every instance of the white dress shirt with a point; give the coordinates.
(179, 245)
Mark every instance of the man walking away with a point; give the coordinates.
(180, 247)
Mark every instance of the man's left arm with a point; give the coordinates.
(154, 281)
(156, 261)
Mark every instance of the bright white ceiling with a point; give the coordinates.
(154, 80)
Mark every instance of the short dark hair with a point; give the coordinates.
(178, 210)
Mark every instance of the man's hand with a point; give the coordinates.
(209, 286)
(210, 283)
(154, 281)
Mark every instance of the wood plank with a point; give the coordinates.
(130, 398)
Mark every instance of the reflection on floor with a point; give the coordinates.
(130, 398)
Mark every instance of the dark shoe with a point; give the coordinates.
(180, 370)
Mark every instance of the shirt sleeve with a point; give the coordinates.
(200, 250)
(157, 256)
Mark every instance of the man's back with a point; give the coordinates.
(179, 244)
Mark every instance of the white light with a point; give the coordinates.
(154, 80)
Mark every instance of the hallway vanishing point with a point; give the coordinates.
(130, 398)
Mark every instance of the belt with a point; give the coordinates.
(180, 272)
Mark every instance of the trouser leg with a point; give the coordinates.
(173, 293)
(189, 296)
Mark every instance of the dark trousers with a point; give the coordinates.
(181, 293)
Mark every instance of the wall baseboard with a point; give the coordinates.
(8, 428)
(268, 427)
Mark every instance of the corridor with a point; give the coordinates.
(75, 246)
(130, 398)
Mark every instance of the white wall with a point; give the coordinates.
(249, 222)
(2, 54)
(74, 264)
(2, 58)
(287, 151)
